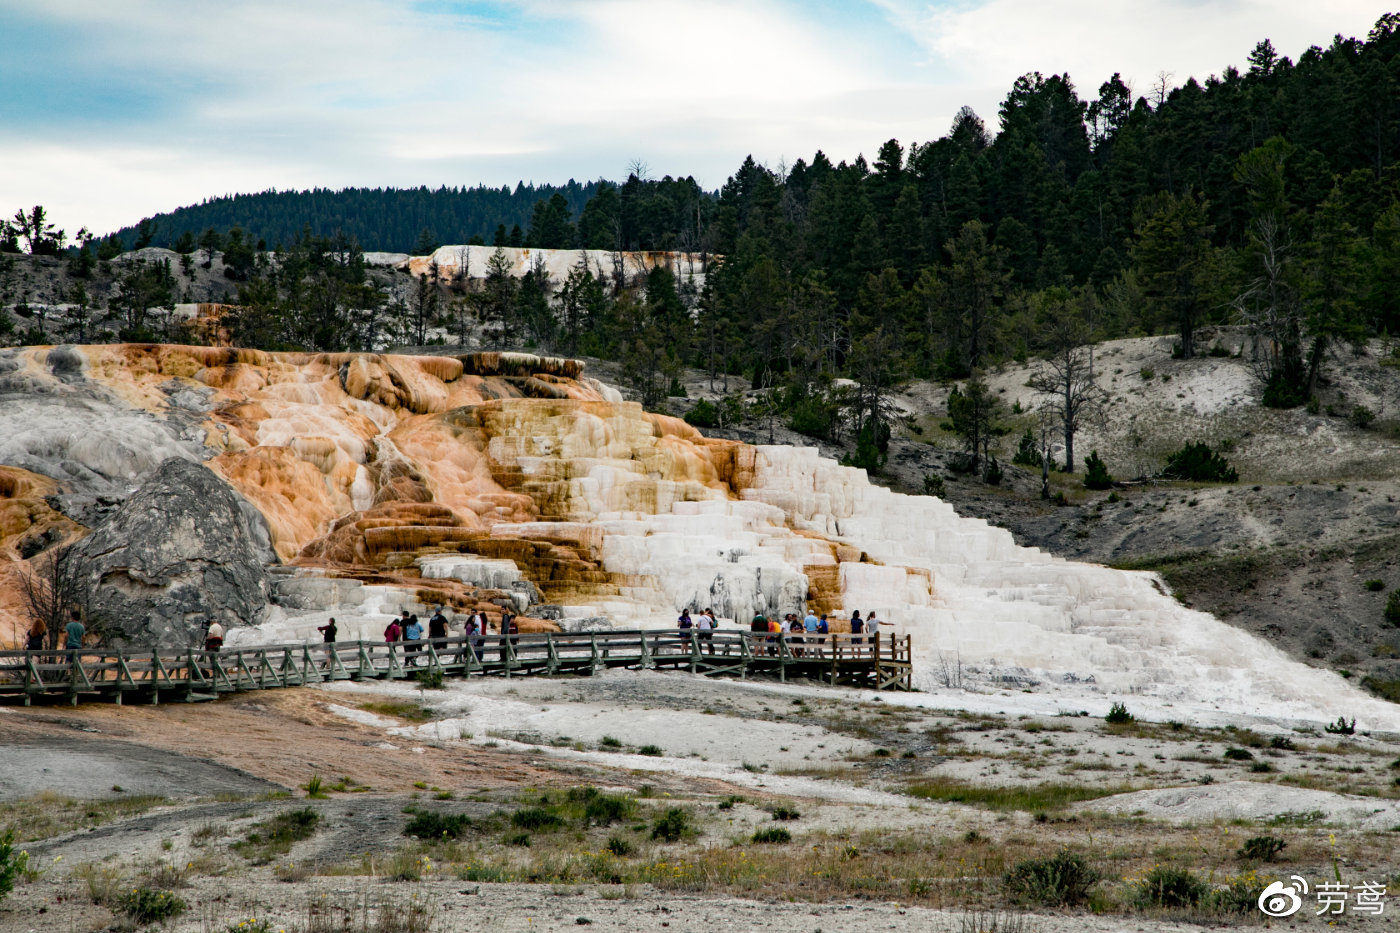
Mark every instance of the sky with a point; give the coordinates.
(110, 112)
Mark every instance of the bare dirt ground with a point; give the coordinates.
(903, 812)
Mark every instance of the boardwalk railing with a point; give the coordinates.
(878, 662)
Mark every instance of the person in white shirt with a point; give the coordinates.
(704, 630)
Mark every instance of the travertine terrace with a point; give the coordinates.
(489, 478)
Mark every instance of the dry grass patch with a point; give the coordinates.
(48, 814)
(1032, 798)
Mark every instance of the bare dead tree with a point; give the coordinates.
(1066, 380)
(53, 586)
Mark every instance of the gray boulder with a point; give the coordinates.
(183, 550)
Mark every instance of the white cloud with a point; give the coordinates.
(375, 92)
(997, 41)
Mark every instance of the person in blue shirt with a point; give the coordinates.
(412, 634)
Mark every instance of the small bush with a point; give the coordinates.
(704, 414)
(1118, 715)
(536, 818)
(1096, 472)
(12, 864)
(1147, 373)
(1362, 417)
(1171, 887)
(606, 809)
(1027, 452)
(772, 834)
(518, 839)
(671, 825)
(619, 846)
(993, 474)
(1239, 896)
(1282, 743)
(1261, 848)
(1062, 880)
(1238, 754)
(437, 825)
(653, 750)
(313, 788)
(785, 813)
(1341, 727)
(608, 741)
(1392, 607)
(1197, 463)
(933, 485)
(430, 679)
(1374, 586)
(149, 905)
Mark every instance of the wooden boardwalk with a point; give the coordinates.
(880, 662)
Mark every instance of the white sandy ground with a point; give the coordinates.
(1010, 740)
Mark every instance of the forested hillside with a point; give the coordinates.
(388, 219)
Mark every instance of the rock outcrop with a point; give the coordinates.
(184, 550)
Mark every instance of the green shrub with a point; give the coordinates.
(430, 679)
(1118, 715)
(1027, 452)
(1147, 372)
(671, 825)
(12, 864)
(606, 809)
(536, 818)
(993, 474)
(1096, 472)
(1341, 727)
(1239, 896)
(933, 485)
(619, 846)
(813, 416)
(1362, 417)
(518, 839)
(676, 390)
(276, 836)
(1238, 754)
(772, 834)
(653, 750)
(1062, 879)
(1171, 887)
(426, 825)
(1392, 607)
(1282, 743)
(704, 414)
(785, 813)
(150, 905)
(1374, 586)
(1261, 848)
(1197, 463)
(608, 741)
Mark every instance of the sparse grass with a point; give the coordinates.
(772, 834)
(276, 836)
(1030, 798)
(351, 913)
(48, 814)
(399, 709)
(437, 826)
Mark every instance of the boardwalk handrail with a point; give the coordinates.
(879, 661)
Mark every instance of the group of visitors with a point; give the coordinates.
(407, 630)
(73, 633)
(800, 630)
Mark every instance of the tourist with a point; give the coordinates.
(704, 630)
(437, 629)
(393, 634)
(328, 639)
(684, 626)
(872, 628)
(795, 626)
(759, 624)
(214, 637)
(477, 621)
(413, 637)
(73, 634)
(857, 627)
(34, 641)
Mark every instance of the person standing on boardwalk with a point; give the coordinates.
(34, 641)
(872, 628)
(328, 638)
(437, 629)
(73, 633)
(704, 630)
(857, 627)
(413, 641)
(214, 637)
(393, 634)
